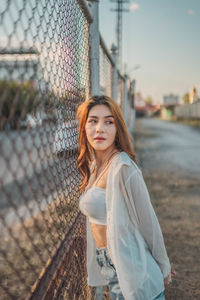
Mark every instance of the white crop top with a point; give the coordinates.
(92, 204)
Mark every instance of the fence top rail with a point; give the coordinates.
(120, 76)
(105, 49)
(86, 10)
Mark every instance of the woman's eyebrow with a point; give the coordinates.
(109, 116)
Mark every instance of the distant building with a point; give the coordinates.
(193, 96)
(22, 65)
(19, 65)
(168, 107)
(170, 99)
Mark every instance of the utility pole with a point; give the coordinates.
(119, 11)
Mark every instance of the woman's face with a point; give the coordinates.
(100, 128)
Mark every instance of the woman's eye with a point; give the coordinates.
(92, 121)
(109, 122)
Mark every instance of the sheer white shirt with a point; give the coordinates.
(134, 237)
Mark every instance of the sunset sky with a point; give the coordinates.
(163, 37)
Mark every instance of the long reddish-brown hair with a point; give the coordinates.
(123, 140)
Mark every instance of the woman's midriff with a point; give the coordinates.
(99, 234)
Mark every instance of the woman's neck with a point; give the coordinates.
(104, 156)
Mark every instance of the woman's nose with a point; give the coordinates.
(100, 127)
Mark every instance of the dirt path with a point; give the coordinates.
(175, 194)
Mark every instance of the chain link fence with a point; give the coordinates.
(43, 77)
(106, 70)
(45, 74)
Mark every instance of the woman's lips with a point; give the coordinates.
(99, 139)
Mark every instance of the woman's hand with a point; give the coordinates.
(173, 273)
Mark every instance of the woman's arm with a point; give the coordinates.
(148, 223)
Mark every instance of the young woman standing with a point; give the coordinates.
(125, 246)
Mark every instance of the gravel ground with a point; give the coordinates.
(175, 195)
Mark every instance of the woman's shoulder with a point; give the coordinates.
(125, 163)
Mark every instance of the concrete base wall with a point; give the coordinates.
(188, 111)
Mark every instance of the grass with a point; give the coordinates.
(194, 123)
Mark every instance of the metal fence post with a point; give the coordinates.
(94, 54)
(132, 110)
(115, 75)
(125, 108)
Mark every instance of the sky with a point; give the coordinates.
(163, 37)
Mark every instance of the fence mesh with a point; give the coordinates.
(43, 77)
(106, 71)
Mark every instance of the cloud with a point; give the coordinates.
(134, 6)
(191, 12)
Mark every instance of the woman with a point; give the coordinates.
(125, 247)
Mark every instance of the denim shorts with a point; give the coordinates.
(109, 273)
